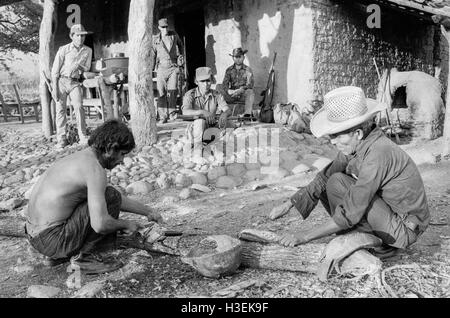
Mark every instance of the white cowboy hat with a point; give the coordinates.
(344, 108)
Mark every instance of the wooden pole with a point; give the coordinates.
(142, 108)
(446, 134)
(46, 55)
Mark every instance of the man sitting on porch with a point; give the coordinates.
(204, 102)
(237, 85)
(72, 209)
(372, 186)
(71, 61)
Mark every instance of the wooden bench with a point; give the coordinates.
(19, 105)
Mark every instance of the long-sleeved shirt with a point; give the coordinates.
(381, 168)
(236, 78)
(163, 55)
(212, 101)
(67, 57)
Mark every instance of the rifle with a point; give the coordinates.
(267, 94)
(217, 116)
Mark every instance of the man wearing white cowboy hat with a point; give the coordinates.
(204, 102)
(371, 186)
(238, 82)
(71, 61)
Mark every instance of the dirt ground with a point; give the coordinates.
(422, 271)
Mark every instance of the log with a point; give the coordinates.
(12, 226)
(303, 258)
(142, 108)
(46, 55)
(446, 134)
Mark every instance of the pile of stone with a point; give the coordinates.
(26, 156)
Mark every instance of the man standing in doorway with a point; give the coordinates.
(71, 61)
(167, 52)
(238, 83)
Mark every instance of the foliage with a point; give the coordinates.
(19, 27)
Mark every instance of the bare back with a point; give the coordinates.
(62, 187)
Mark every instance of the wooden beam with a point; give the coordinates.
(46, 55)
(418, 6)
(142, 108)
(446, 134)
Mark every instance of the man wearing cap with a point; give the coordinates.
(167, 52)
(372, 185)
(71, 61)
(238, 82)
(204, 102)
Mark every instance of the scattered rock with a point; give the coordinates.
(185, 194)
(41, 291)
(139, 187)
(167, 200)
(122, 175)
(200, 187)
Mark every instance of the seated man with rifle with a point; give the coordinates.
(201, 104)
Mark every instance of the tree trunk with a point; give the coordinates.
(46, 55)
(142, 108)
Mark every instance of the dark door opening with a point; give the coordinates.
(190, 26)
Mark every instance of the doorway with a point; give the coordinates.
(190, 26)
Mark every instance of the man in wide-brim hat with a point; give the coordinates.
(71, 61)
(238, 82)
(371, 186)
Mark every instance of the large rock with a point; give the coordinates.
(228, 182)
(41, 291)
(253, 166)
(200, 187)
(252, 175)
(182, 181)
(274, 173)
(139, 187)
(321, 163)
(301, 168)
(235, 169)
(215, 173)
(287, 156)
(199, 178)
(289, 165)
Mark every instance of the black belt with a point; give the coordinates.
(71, 78)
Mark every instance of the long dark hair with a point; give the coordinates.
(112, 135)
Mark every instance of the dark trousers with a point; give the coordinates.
(76, 235)
(379, 220)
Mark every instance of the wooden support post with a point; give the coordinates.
(446, 134)
(142, 108)
(46, 55)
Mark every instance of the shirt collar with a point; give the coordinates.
(72, 47)
(199, 94)
(370, 139)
